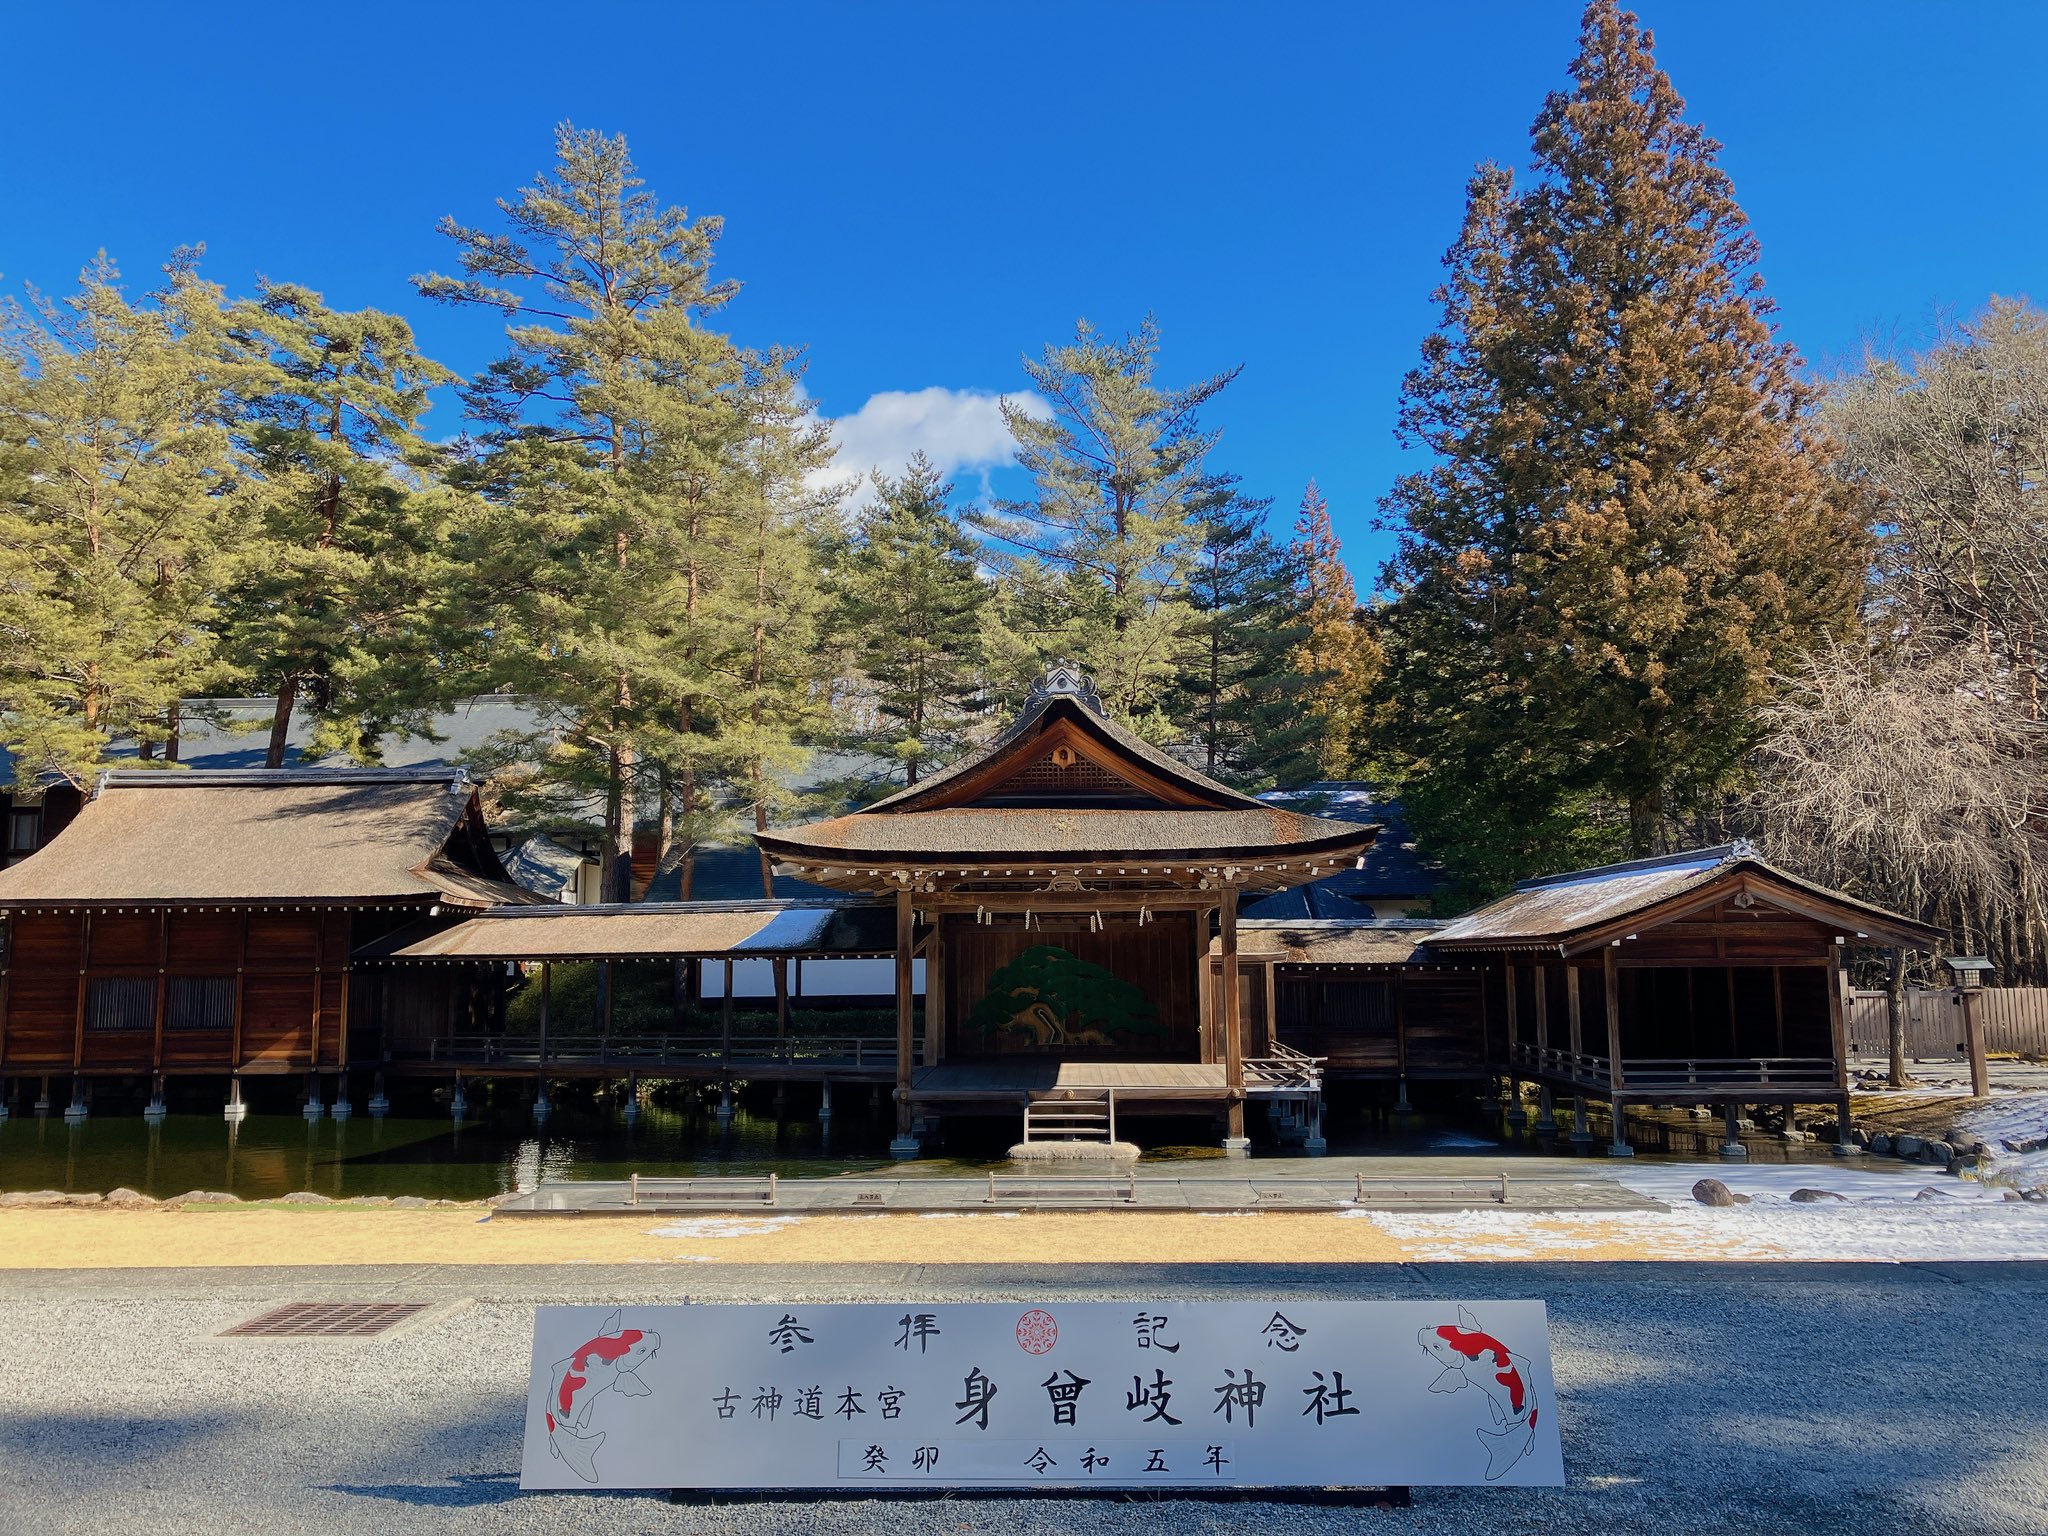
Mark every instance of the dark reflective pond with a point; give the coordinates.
(420, 1149)
(270, 1155)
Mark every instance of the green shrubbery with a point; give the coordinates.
(644, 1006)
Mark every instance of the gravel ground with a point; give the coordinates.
(1811, 1398)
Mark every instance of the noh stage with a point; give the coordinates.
(1063, 886)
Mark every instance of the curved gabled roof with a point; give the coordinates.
(1065, 785)
(1063, 695)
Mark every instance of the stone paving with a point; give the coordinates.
(1376, 1184)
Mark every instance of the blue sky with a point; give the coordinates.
(923, 192)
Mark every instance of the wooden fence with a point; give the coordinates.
(2014, 1019)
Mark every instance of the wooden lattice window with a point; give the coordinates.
(114, 1004)
(200, 1002)
(1081, 777)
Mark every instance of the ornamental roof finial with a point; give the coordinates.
(1065, 679)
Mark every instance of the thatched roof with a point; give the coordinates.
(1579, 908)
(357, 836)
(735, 930)
(1332, 941)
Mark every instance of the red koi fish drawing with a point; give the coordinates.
(606, 1363)
(1471, 1357)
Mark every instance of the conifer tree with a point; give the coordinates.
(116, 505)
(1338, 658)
(331, 592)
(610, 371)
(777, 694)
(1627, 525)
(1241, 688)
(913, 605)
(1121, 494)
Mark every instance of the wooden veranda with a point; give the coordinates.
(1702, 978)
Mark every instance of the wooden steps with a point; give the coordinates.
(1071, 1115)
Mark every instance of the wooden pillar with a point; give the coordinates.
(1838, 1016)
(1272, 1005)
(6, 975)
(341, 1018)
(1205, 1011)
(84, 987)
(241, 967)
(1615, 1076)
(547, 980)
(905, 1001)
(725, 1016)
(934, 997)
(1513, 1009)
(1542, 974)
(1972, 1003)
(1232, 1017)
(1778, 1003)
(1401, 1040)
(320, 987)
(608, 985)
(1485, 1026)
(163, 987)
(1574, 1017)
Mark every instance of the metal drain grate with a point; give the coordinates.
(327, 1320)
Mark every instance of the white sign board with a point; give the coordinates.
(1290, 1394)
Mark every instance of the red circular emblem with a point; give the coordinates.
(1037, 1332)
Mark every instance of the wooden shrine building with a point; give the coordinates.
(1061, 885)
(205, 922)
(1697, 978)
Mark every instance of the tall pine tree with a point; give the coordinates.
(117, 476)
(1241, 690)
(333, 589)
(913, 605)
(1626, 527)
(1121, 498)
(610, 368)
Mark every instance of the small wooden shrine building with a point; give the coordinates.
(193, 922)
(1062, 885)
(1697, 978)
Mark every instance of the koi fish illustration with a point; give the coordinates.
(606, 1363)
(1471, 1357)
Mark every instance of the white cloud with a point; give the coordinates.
(957, 429)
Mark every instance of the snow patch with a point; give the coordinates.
(723, 1226)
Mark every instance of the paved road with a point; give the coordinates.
(1809, 1398)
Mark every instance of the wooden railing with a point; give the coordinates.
(1749, 1071)
(1548, 1061)
(1286, 1070)
(1676, 1072)
(857, 1051)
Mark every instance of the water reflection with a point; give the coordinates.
(499, 1149)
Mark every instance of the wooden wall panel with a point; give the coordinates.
(205, 943)
(42, 988)
(1440, 1014)
(125, 941)
(277, 1016)
(1158, 958)
(284, 940)
(1347, 1016)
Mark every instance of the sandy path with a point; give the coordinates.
(94, 1239)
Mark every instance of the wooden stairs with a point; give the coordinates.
(1071, 1115)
